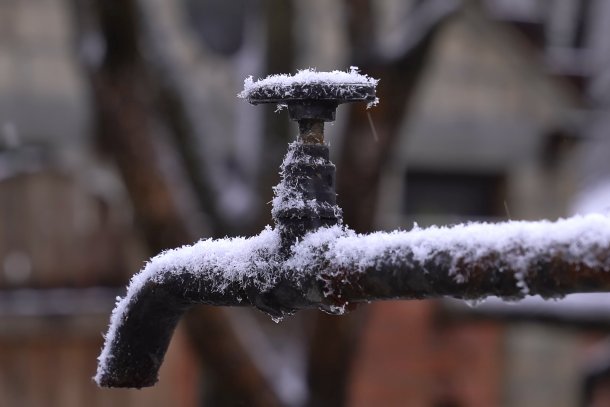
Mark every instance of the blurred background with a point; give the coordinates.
(121, 135)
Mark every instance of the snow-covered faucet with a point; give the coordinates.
(310, 260)
(241, 271)
(305, 199)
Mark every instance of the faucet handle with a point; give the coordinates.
(310, 94)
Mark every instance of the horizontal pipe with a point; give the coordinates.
(333, 267)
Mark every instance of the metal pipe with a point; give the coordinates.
(310, 261)
(332, 268)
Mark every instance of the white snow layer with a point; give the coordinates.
(308, 76)
(519, 242)
(235, 260)
(221, 261)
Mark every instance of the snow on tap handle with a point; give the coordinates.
(305, 199)
(312, 97)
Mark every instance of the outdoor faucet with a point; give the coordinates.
(310, 260)
(305, 199)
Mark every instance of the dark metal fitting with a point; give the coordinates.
(305, 199)
(312, 104)
(311, 131)
(313, 100)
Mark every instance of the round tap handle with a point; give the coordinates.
(311, 95)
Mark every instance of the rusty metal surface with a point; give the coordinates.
(337, 93)
(143, 336)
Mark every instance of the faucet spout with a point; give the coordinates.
(239, 271)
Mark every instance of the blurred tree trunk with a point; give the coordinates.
(279, 59)
(332, 348)
(128, 129)
(361, 162)
(363, 154)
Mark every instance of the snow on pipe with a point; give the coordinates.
(309, 260)
(333, 267)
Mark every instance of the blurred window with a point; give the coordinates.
(454, 196)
